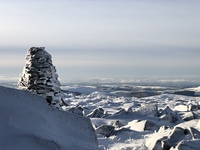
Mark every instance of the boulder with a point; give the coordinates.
(155, 142)
(121, 111)
(97, 113)
(148, 110)
(165, 139)
(142, 125)
(166, 110)
(168, 114)
(116, 124)
(190, 116)
(173, 139)
(187, 145)
(129, 109)
(163, 128)
(76, 110)
(193, 132)
(105, 130)
(192, 107)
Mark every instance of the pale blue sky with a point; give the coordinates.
(103, 38)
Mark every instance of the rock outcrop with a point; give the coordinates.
(39, 76)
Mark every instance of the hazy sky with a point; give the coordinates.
(103, 38)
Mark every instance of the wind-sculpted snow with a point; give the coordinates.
(28, 123)
(162, 122)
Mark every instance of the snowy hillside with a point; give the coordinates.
(27, 122)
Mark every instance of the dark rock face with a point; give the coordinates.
(39, 76)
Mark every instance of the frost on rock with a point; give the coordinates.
(39, 76)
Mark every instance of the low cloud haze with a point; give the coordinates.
(103, 38)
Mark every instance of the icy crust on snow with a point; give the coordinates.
(27, 122)
(39, 76)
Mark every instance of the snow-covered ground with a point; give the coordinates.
(130, 115)
(125, 116)
(28, 123)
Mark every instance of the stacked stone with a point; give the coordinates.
(39, 76)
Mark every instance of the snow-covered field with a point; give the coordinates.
(125, 116)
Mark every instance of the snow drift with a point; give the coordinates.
(27, 122)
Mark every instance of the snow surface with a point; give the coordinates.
(27, 122)
(132, 113)
(139, 123)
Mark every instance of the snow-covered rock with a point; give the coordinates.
(187, 145)
(97, 113)
(169, 115)
(181, 108)
(176, 138)
(198, 125)
(105, 130)
(142, 125)
(116, 124)
(190, 116)
(39, 76)
(120, 112)
(155, 141)
(192, 107)
(164, 140)
(27, 122)
(76, 110)
(193, 132)
(148, 110)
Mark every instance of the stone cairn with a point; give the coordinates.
(39, 76)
